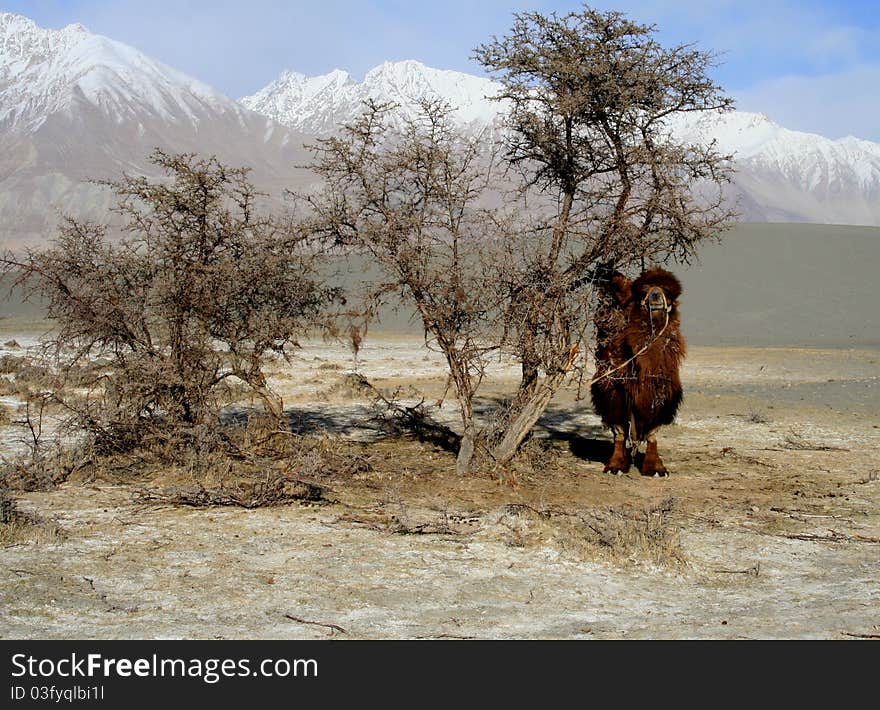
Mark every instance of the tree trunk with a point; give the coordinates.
(182, 399)
(466, 449)
(529, 381)
(274, 403)
(526, 417)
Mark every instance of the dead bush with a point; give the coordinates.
(11, 364)
(350, 386)
(51, 466)
(199, 291)
(17, 526)
(796, 441)
(8, 386)
(619, 535)
(248, 463)
(273, 490)
(643, 534)
(535, 455)
(8, 508)
(756, 416)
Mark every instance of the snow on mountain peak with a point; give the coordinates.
(99, 86)
(44, 71)
(318, 105)
(22, 39)
(808, 160)
(787, 174)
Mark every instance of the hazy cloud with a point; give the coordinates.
(835, 105)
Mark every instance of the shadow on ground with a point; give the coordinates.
(588, 442)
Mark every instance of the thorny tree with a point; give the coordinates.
(199, 292)
(601, 184)
(595, 180)
(409, 195)
(591, 100)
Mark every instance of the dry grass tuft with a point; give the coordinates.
(535, 457)
(242, 493)
(616, 535)
(795, 441)
(756, 416)
(349, 387)
(18, 527)
(248, 466)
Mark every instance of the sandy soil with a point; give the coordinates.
(768, 527)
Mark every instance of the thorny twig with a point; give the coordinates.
(751, 571)
(332, 627)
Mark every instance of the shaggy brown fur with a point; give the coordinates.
(645, 394)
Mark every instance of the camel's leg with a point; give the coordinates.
(619, 461)
(652, 464)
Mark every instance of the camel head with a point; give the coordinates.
(656, 291)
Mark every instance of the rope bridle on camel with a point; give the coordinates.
(634, 444)
(666, 308)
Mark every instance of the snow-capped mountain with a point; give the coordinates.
(792, 176)
(45, 72)
(782, 175)
(806, 159)
(318, 105)
(76, 105)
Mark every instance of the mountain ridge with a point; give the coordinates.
(782, 174)
(301, 102)
(76, 105)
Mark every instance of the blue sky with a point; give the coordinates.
(810, 64)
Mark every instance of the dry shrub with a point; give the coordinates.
(245, 461)
(756, 416)
(8, 509)
(348, 387)
(614, 535)
(17, 526)
(192, 289)
(644, 534)
(399, 420)
(318, 457)
(35, 374)
(11, 364)
(535, 456)
(44, 469)
(242, 493)
(796, 441)
(247, 465)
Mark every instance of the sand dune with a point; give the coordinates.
(763, 285)
(785, 284)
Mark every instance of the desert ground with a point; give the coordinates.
(768, 527)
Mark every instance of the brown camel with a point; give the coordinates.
(637, 385)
